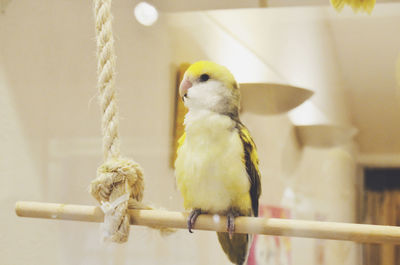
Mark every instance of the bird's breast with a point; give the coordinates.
(210, 169)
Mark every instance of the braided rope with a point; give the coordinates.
(106, 78)
(119, 181)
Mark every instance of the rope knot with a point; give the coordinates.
(118, 183)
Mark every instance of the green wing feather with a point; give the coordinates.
(236, 248)
(181, 140)
(251, 161)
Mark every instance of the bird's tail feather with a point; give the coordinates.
(236, 248)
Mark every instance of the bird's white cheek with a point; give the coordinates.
(203, 96)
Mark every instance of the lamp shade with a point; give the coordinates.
(270, 98)
(324, 135)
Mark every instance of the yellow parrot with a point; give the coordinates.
(356, 5)
(217, 164)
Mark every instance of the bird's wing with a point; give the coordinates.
(181, 140)
(251, 161)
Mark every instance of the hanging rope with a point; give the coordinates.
(119, 181)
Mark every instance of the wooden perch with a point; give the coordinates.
(361, 233)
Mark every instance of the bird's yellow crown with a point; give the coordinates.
(214, 70)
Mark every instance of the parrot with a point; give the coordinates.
(217, 166)
(356, 5)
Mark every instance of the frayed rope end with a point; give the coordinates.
(118, 182)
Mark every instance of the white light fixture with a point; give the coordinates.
(325, 135)
(308, 113)
(146, 14)
(270, 98)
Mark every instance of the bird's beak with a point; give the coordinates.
(184, 87)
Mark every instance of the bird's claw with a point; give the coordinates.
(230, 224)
(192, 219)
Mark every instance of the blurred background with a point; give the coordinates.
(336, 157)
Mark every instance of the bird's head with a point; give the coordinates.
(207, 85)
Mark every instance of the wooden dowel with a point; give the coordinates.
(361, 233)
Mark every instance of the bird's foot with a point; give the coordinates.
(231, 223)
(192, 218)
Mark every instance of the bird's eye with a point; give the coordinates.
(204, 77)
